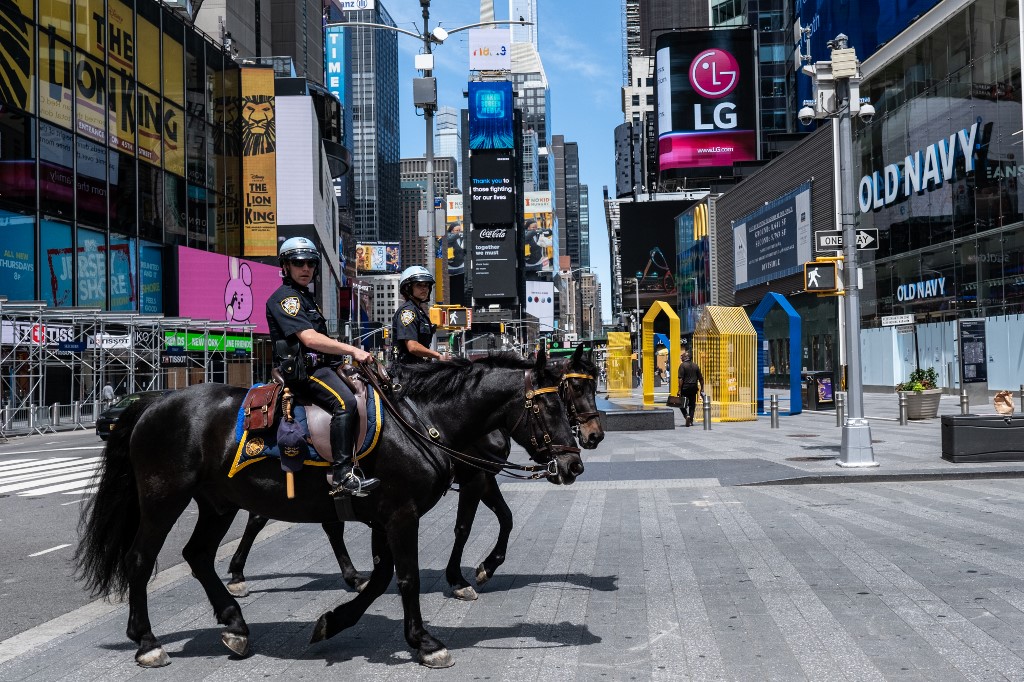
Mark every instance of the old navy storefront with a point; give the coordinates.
(940, 175)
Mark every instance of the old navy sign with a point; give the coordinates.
(924, 170)
(928, 288)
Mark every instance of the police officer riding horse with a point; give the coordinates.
(411, 326)
(309, 360)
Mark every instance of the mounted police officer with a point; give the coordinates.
(309, 359)
(410, 325)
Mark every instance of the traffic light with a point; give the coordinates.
(386, 332)
(821, 277)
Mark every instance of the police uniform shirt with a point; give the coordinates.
(290, 310)
(410, 323)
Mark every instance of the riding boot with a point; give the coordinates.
(346, 479)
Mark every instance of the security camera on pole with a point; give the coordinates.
(837, 96)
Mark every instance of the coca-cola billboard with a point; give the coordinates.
(494, 262)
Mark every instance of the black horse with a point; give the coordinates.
(175, 448)
(577, 386)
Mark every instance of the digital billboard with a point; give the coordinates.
(244, 288)
(706, 97)
(17, 256)
(648, 250)
(259, 162)
(378, 258)
(454, 240)
(494, 261)
(540, 302)
(334, 59)
(538, 232)
(490, 49)
(490, 115)
(492, 187)
(775, 240)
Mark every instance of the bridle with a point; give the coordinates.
(569, 398)
(378, 377)
(531, 412)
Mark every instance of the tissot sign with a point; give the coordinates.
(707, 110)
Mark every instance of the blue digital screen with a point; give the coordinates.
(17, 256)
(490, 115)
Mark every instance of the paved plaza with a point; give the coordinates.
(685, 554)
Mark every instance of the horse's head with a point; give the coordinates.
(578, 388)
(544, 428)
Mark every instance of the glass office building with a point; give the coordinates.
(117, 141)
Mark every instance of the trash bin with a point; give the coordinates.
(818, 391)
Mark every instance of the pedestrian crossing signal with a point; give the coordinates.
(821, 277)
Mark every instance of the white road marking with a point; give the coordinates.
(79, 501)
(52, 549)
(15, 487)
(59, 488)
(36, 452)
(48, 473)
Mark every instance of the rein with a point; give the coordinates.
(381, 381)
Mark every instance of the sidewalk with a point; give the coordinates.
(804, 447)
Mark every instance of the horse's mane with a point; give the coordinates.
(456, 375)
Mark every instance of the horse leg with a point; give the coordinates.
(336, 535)
(200, 552)
(495, 501)
(155, 521)
(237, 586)
(348, 614)
(469, 501)
(403, 536)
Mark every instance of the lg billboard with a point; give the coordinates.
(706, 101)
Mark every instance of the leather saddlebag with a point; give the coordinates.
(260, 406)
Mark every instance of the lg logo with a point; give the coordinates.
(714, 74)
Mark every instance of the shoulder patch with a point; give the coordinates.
(407, 317)
(291, 305)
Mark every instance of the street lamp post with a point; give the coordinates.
(429, 37)
(837, 96)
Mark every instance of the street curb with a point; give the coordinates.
(815, 479)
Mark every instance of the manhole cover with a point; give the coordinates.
(803, 435)
(819, 458)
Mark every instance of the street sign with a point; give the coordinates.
(867, 239)
(820, 276)
(832, 240)
(896, 320)
(71, 346)
(828, 240)
(905, 329)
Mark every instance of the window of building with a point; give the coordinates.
(636, 100)
(18, 257)
(55, 263)
(91, 185)
(91, 262)
(123, 281)
(56, 175)
(17, 160)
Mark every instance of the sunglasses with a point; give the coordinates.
(303, 263)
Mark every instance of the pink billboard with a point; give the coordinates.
(224, 288)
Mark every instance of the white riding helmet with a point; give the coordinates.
(298, 248)
(414, 273)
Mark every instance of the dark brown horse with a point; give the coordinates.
(577, 386)
(170, 450)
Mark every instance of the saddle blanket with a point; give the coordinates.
(256, 446)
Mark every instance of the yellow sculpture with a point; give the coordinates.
(619, 365)
(657, 308)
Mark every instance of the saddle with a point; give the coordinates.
(261, 412)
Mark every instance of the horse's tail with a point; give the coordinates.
(110, 518)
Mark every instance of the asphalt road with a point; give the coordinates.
(44, 481)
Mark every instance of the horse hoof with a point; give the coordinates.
(439, 659)
(239, 589)
(238, 644)
(319, 630)
(482, 576)
(361, 585)
(154, 658)
(466, 593)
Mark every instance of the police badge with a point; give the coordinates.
(291, 305)
(407, 317)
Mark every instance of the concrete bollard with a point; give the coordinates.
(774, 410)
(903, 410)
(965, 402)
(840, 408)
(707, 412)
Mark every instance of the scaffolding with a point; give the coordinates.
(725, 349)
(64, 356)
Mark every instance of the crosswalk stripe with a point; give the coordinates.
(61, 487)
(47, 473)
(84, 477)
(32, 463)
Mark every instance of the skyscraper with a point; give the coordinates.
(375, 127)
(448, 139)
(417, 247)
(527, 11)
(567, 197)
(584, 226)
(533, 98)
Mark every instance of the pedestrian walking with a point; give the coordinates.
(691, 381)
(107, 393)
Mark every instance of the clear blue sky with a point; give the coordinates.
(580, 44)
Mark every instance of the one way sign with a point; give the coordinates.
(832, 240)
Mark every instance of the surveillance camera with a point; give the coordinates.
(867, 113)
(805, 115)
